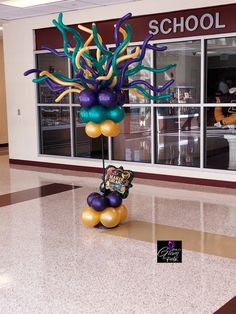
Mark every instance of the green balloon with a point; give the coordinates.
(116, 114)
(147, 94)
(84, 115)
(95, 37)
(97, 114)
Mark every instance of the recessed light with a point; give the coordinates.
(27, 3)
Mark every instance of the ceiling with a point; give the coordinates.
(8, 12)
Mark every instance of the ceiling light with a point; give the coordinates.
(27, 3)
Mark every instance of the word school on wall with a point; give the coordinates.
(182, 24)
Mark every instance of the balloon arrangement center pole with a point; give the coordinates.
(103, 161)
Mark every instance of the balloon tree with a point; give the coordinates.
(101, 82)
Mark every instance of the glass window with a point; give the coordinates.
(178, 136)
(140, 75)
(51, 63)
(134, 141)
(220, 138)
(187, 57)
(55, 136)
(86, 146)
(221, 61)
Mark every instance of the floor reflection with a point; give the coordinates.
(179, 148)
(51, 263)
(192, 240)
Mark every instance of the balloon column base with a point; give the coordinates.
(101, 227)
(110, 217)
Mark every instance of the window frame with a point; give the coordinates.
(202, 105)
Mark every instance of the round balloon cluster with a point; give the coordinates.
(101, 80)
(105, 209)
(102, 111)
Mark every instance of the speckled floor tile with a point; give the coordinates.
(51, 264)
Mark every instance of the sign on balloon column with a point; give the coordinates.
(107, 208)
(101, 82)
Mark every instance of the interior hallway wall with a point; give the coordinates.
(22, 93)
(3, 107)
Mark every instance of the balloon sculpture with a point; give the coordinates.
(107, 208)
(101, 83)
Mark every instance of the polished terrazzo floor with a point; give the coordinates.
(51, 264)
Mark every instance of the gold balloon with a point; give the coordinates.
(93, 129)
(122, 211)
(110, 217)
(110, 128)
(90, 217)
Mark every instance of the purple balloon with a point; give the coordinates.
(86, 66)
(155, 48)
(109, 62)
(80, 74)
(120, 97)
(54, 86)
(87, 98)
(154, 89)
(140, 58)
(31, 71)
(117, 27)
(91, 197)
(57, 53)
(99, 203)
(114, 199)
(107, 98)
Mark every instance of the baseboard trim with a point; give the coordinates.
(142, 175)
(4, 145)
(54, 165)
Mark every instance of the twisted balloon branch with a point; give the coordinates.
(108, 69)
